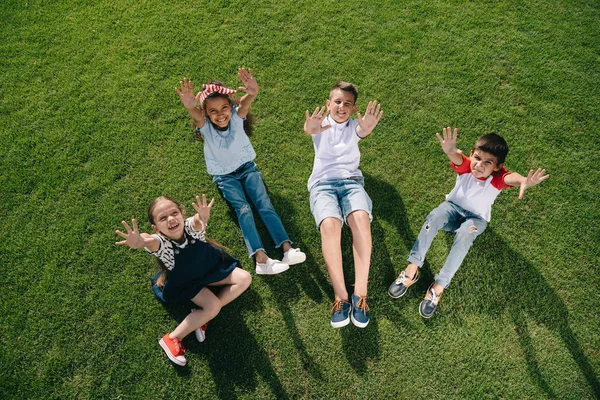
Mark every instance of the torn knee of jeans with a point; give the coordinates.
(244, 209)
(472, 229)
(427, 227)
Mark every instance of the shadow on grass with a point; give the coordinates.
(234, 356)
(519, 287)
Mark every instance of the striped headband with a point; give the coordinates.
(212, 88)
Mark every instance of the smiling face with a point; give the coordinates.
(218, 110)
(483, 164)
(341, 105)
(168, 220)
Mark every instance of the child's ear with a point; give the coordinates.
(327, 103)
(498, 167)
(154, 228)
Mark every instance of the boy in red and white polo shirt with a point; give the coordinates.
(466, 211)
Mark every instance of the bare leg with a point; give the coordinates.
(235, 284)
(331, 237)
(209, 304)
(361, 246)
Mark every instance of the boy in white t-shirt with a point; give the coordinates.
(466, 211)
(337, 195)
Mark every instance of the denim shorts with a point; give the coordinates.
(338, 199)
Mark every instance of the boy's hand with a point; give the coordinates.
(533, 178)
(250, 84)
(202, 210)
(312, 124)
(448, 142)
(187, 94)
(372, 116)
(132, 238)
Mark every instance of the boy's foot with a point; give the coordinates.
(360, 311)
(174, 349)
(340, 313)
(429, 305)
(293, 257)
(399, 287)
(271, 267)
(200, 332)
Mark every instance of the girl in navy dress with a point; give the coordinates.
(190, 263)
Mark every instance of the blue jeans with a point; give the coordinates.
(241, 184)
(452, 218)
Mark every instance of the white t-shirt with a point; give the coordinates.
(473, 194)
(336, 152)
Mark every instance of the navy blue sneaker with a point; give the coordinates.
(399, 287)
(430, 304)
(340, 313)
(360, 311)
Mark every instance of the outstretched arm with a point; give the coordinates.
(135, 239)
(448, 142)
(532, 179)
(190, 102)
(312, 124)
(367, 123)
(203, 213)
(251, 89)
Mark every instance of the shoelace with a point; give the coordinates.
(361, 304)
(433, 297)
(401, 278)
(337, 306)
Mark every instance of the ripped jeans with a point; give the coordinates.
(246, 183)
(452, 218)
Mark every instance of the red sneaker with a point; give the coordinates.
(174, 349)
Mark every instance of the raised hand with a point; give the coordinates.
(448, 141)
(133, 238)
(533, 178)
(312, 124)
(250, 84)
(186, 94)
(372, 116)
(202, 210)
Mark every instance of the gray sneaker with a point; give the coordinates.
(429, 305)
(399, 287)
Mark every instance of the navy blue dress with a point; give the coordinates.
(191, 265)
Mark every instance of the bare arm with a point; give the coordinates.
(190, 102)
(251, 89)
(448, 143)
(367, 123)
(136, 240)
(532, 179)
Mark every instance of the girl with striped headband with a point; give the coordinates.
(223, 124)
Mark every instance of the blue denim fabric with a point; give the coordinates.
(452, 218)
(246, 183)
(338, 199)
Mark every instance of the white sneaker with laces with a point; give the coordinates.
(271, 267)
(293, 257)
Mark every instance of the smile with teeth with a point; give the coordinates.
(174, 226)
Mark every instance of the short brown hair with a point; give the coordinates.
(346, 87)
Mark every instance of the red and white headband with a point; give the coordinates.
(212, 88)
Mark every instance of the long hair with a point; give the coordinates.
(163, 277)
(248, 122)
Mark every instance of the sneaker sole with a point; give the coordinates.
(340, 324)
(168, 353)
(272, 272)
(357, 323)
(396, 297)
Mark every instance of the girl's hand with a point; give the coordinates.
(312, 124)
(448, 142)
(133, 238)
(533, 178)
(372, 116)
(203, 211)
(187, 94)
(250, 84)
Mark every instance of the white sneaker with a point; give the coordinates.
(200, 332)
(271, 267)
(293, 257)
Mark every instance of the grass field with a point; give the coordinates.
(91, 130)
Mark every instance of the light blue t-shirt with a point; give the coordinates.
(226, 151)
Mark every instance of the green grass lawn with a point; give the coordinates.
(91, 130)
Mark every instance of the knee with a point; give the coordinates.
(330, 226)
(245, 279)
(466, 234)
(359, 219)
(242, 209)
